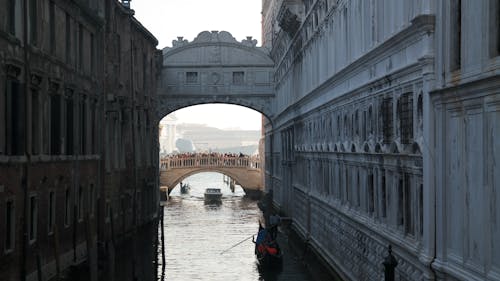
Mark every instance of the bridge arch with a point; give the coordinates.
(235, 176)
(245, 170)
(215, 68)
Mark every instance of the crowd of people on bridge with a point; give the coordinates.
(214, 158)
(204, 154)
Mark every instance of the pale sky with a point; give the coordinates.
(168, 19)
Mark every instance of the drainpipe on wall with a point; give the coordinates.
(25, 168)
(134, 228)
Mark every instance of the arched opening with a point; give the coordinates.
(220, 138)
(223, 128)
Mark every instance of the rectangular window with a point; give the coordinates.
(81, 202)
(83, 125)
(35, 122)
(80, 47)
(108, 211)
(387, 119)
(55, 125)
(401, 210)
(93, 129)
(370, 194)
(408, 206)
(52, 211)
(33, 22)
(9, 226)
(191, 77)
(383, 195)
(92, 54)
(455, 34)
(16, 118)
(91, 200)
(144, 70)
(494, 29)
(406, 117)
(33, 207)
(68, 39)
(52, 27)
(421, 209)
(12, 16)
(69, 126)
(238, 78)
(67, 207)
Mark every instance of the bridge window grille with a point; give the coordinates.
(238, 78)
(387, 119)
(406, 117)
(191, 77)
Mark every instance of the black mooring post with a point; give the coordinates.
(390, 264)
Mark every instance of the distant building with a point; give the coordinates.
(168, 134)
(207, 138)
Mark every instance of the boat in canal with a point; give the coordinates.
(213, 195)
(267, 249)
(185, 188)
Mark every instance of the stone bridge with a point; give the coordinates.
(245, 170)
(215, 68)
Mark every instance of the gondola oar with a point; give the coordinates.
(236, 244)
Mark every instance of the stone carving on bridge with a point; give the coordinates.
(249, 42)
(211, 37)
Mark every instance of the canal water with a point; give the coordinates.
(214, 242)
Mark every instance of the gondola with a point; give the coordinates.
(267, 249)
(185, 188)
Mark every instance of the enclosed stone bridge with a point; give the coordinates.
(245, 170)
(216, 68)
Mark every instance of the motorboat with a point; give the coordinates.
(213, 195)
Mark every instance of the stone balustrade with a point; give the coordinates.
(210, 161)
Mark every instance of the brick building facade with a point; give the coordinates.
(75, 167)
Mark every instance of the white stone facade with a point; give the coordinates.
(386, 119)
(216, 68)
